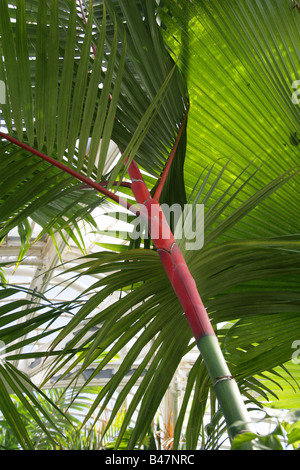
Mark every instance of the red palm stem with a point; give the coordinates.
(72, 172)
(183, 283)
(171, 256)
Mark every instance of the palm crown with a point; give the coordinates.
(79, 75)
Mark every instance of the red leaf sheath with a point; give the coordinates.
(172, 259)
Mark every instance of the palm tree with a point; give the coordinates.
(198, 97)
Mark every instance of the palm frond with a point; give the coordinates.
(228, 274)
(237, 64)
(87, 99)
(240, 62)
(32, 190)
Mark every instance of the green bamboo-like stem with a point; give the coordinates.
(225, 387)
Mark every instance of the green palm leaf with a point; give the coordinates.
(227, 273)
(67, 102)
(239, 61)
(42, 194)
(73, 117)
